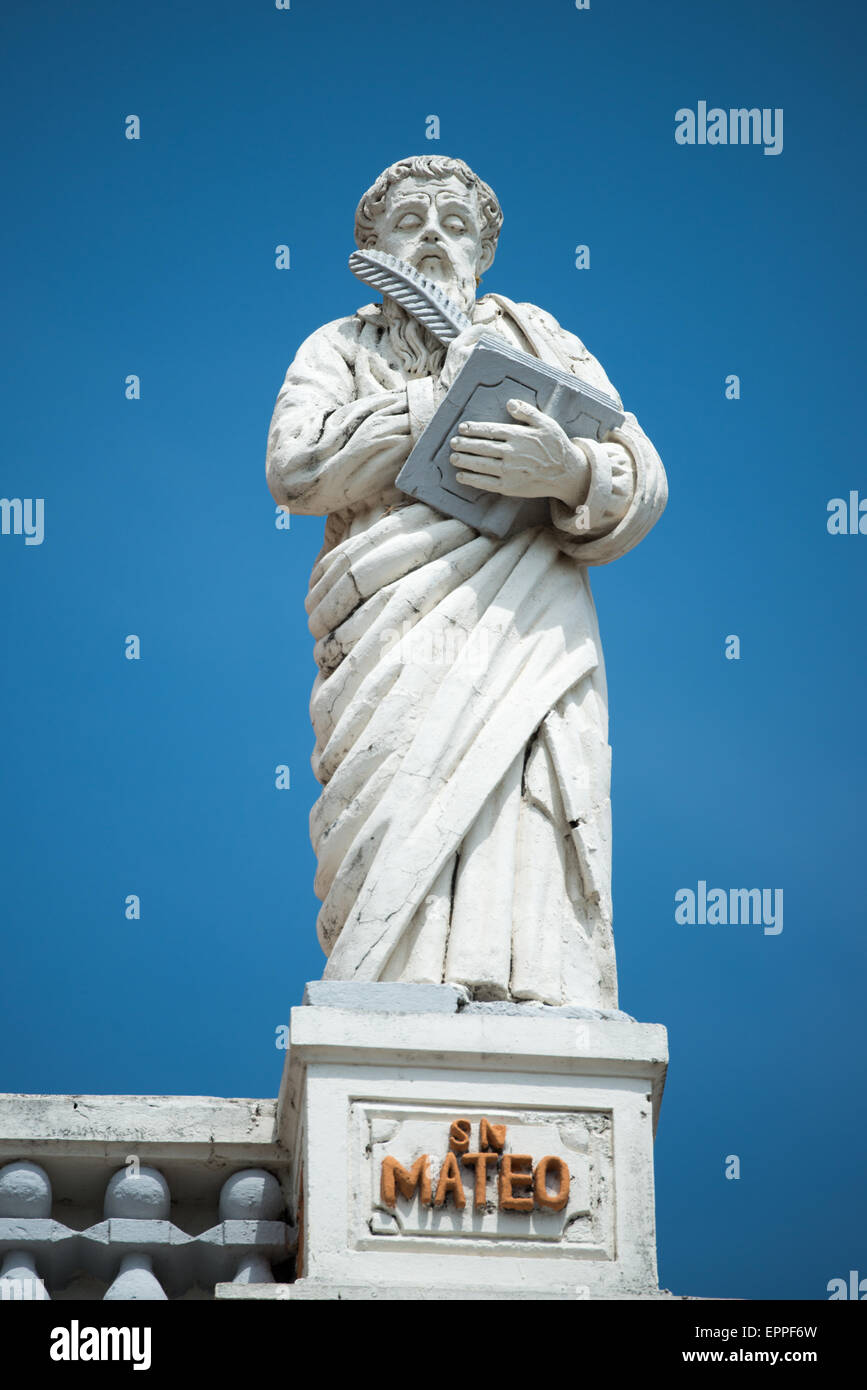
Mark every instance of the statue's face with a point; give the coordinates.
(434, 224)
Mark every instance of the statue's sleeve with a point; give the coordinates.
(610, 490)
(627, 489)
(317, 461)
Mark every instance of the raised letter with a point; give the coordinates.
(492, 1137)
(459, 1136)
(450, 1182)
(480, 1197)
(551, 1201)
(396, 1177)
(517, 1171)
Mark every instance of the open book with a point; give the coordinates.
(495, 373)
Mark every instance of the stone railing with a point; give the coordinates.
(140, 1197)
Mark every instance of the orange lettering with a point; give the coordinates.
(480, 1198)
(450, 1182)
(516, 1171)
(552, 1201)
(492, 1137)
(459, 1136)
(395, 1178)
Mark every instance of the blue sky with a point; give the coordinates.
(156, 777)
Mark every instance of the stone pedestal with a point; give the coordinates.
(444, 1149)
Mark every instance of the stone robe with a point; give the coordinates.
(460, 710)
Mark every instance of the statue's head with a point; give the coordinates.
(435, 213)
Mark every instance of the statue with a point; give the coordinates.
(460, 708)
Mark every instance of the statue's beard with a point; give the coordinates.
(418, 352)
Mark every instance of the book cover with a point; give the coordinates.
(493, 374)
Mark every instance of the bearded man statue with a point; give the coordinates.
(463, 832)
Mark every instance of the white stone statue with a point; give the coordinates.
(460, 709)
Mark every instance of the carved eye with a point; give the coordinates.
(454, 224)
(408, 221)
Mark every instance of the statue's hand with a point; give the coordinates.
(533, 459)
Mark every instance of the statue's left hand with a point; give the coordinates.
(534, 458)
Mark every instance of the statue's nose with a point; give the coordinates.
(431, 232)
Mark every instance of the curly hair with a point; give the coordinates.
(426, 166)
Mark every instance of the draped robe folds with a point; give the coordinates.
(460, 710)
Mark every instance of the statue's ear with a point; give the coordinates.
(486, 256)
